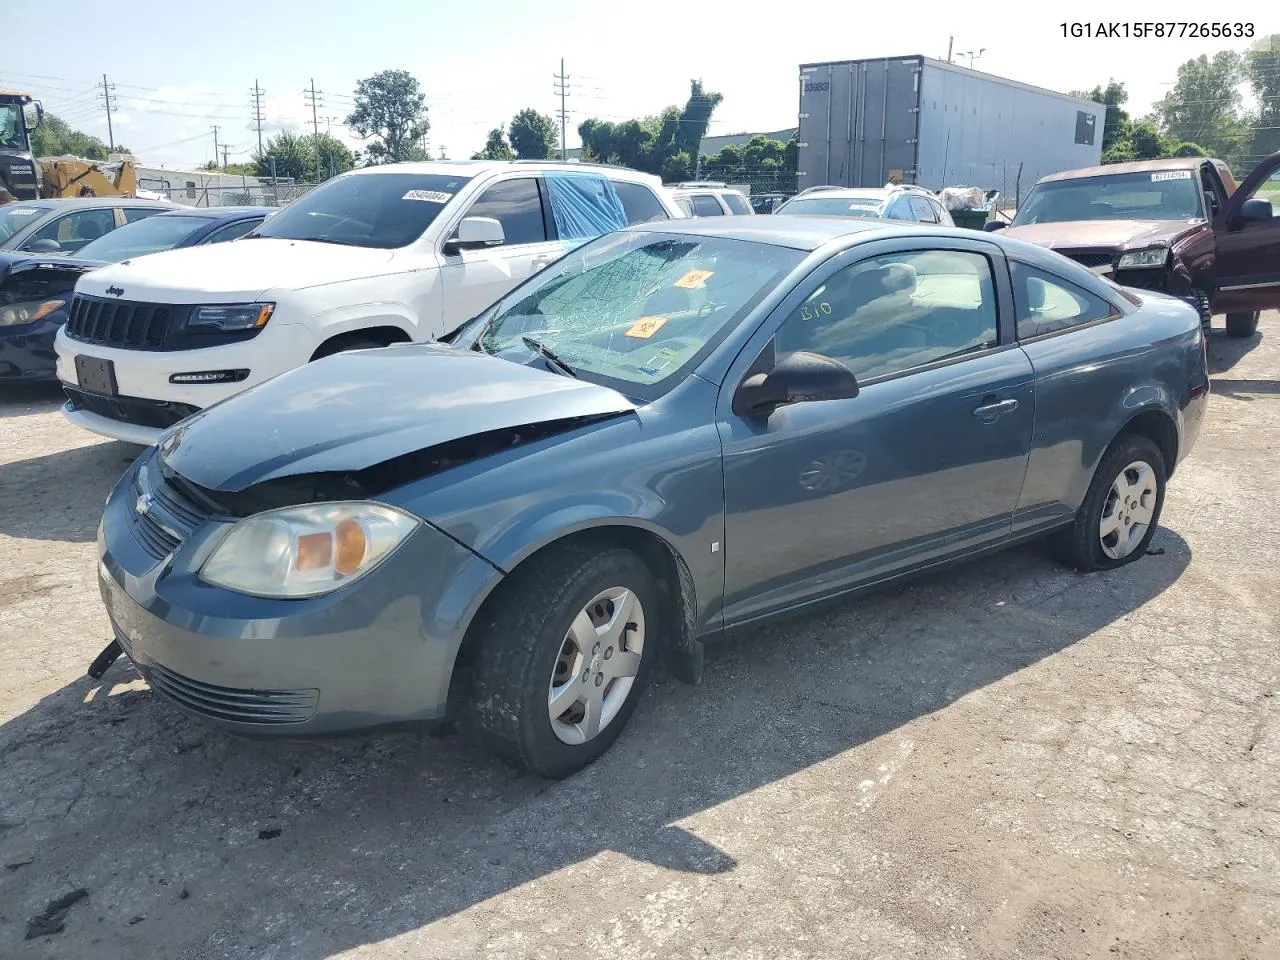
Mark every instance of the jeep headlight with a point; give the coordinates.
(230, 316)
(1155, 257)
(307, 550)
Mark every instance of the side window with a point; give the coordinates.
(705, 205)
(923, 209)
(684, 204)
(1045, 303)
(517, 205)
(639, 202)
(900, 209)
(232, 231)
(140, 213)
(940, 214)
(893, 312)
(737, 202)
(76, 229)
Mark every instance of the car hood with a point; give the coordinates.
(243, 270)
(60, 272)
(1108, 234)
(355, 410)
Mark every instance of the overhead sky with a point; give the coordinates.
(180, 69)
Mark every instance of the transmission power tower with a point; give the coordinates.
(311, 97)
(562, 90)
(109, 100)
(257, 93)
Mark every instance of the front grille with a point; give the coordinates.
(169, 517)
(229, 703)
(136, 410)
(120, 323)
(1146, 278)
(1089, 258)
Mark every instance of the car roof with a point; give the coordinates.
(798, 233)
(1134, 166)
(848, 193)
(218, 213)
(72, 203)
(474, 168)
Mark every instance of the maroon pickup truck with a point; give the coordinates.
(1180, 226)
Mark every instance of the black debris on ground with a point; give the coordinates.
(53, 920)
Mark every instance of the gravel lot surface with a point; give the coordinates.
(1005, 760)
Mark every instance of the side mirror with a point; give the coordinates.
(799, 377)
(477, 232)
(1256, 209)
(43, 246)
(991, 226)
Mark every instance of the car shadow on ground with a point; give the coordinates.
(1225, 352)
(60, 496)
(242, 848)
(24, 399)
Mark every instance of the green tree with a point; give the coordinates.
(332, 156)
(666, 144)
(767, 165)
(245, 169)
(495, 147)
(1262, 67)
(54, 138)
(533, 135)
(294, 157)
(391, 114)
(1114, 96)
(1204, 104)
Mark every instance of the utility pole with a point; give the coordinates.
(951, 40)
(562, 88)
(257, 93)
(108, 98)
(442, 156)
(310, 96)
(215, 145)
(225, 162)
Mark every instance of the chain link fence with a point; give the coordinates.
(229, 192)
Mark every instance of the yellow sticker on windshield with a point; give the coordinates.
(645, 327)
(693, 279)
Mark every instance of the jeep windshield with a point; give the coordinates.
(383, 210)
(1151, 195)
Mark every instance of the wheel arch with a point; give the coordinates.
(1157, 425)
(682, 651)
(383, 334)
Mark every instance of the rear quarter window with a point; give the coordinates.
(1045, 303)
(639, 202)
(737, 202)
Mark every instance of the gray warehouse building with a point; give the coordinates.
(863, 123)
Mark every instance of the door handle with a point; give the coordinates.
(990, 411)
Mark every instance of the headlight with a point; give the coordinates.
(231, 316)
(28, 312)
(1155, 257)
(308, 550)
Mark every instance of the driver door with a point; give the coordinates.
(1248, 250)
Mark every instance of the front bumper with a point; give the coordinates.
(379, 653)
(26, 350)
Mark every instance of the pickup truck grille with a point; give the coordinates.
(119, 323)
(1089, 258)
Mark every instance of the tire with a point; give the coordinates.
(1083, 545)
(1242, 324)
(526, 652)
(341, 345)
(1202, 307)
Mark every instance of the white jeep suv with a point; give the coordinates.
(378, 256)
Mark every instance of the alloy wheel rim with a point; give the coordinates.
(1128, 510)
(596, 666)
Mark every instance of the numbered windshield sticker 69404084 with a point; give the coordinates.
(1170, 175)
(429, 196)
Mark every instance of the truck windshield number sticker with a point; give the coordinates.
(1171, 175)
(429, 196)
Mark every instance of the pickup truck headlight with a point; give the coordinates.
(231, 316)
(306, 551)
(27, 312)
(1155, 257)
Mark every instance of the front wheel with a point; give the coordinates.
(563, 656)
(1119, 515)
(1242, 324)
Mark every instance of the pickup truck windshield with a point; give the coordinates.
(1151, 195)
(383, 210)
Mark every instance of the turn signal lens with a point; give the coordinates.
(47, 308)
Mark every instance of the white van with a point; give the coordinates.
(378, 256)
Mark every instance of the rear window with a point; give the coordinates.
(737, 202)
(142, 237)
(639, 202)
(705, 205)
(832, 207)
(383, 210)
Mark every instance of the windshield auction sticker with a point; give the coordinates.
(693, 279)
(646, 327)
(429, 196)
(1171, 175)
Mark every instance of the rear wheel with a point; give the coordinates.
(1120, 512)
(1243, 324)
(563, 657)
